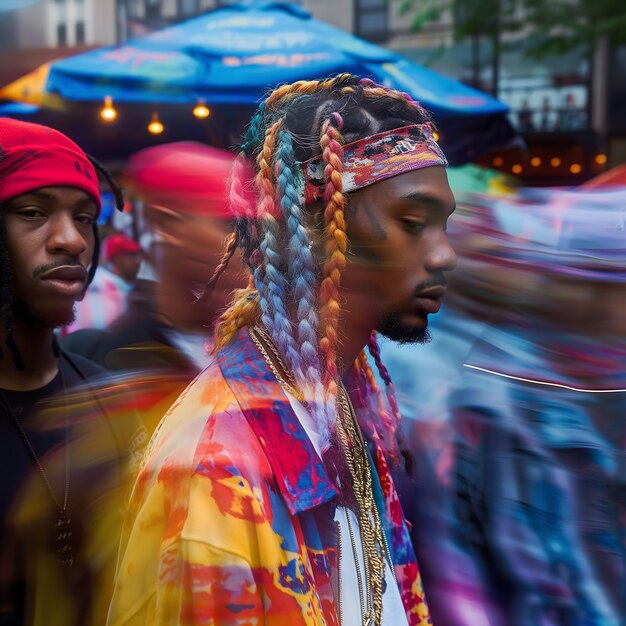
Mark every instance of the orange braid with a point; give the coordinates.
(243, 311)
(304, 86)
(336, 247)
(265, 176)
(364, 366)
(381, 92)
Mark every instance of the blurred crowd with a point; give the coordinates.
(515, 411)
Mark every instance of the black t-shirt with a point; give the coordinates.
(16, 462)
(72, 397)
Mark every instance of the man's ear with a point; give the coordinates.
(163, 223)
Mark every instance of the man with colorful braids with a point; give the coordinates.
(266, 495)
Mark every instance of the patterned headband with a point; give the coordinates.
(372, 159)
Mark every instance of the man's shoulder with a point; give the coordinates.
(86, 345)
(79, 366)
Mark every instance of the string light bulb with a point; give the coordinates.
(201, 110)
(155, 127)
(108, 113)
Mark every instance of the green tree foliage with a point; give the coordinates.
(553, 26)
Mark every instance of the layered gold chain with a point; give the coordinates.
(256, 334)
(353, 447)
(372, 533)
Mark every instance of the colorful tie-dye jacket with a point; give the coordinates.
(231, 518)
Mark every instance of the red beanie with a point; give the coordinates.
(185, 176)
(117, 244)
(34, 156)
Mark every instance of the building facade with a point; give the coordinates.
(58, 23)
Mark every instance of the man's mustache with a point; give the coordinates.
(42, 269)
(440, 281)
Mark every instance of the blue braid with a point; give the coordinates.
(273, 292)
(301, 272)
(252, 137)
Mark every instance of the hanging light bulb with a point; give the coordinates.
(155, 126)
(201, 110)
(108, 113)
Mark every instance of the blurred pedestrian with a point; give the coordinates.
(260, 500)
(527, 523)
(160, 341)
(105, 300)
(61, 458)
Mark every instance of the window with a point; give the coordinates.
(61, 34)
(153, 9)
(371, 19)
(187, 7)
(80, 32)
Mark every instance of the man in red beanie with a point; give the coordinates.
(183, 187)
(106, 297)
(49, 204)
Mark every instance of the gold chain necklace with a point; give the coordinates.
(256, 333)
(351, 440)
(63, 523)
(372, 533)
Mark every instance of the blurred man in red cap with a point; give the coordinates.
(106, 298)
(183, 187)
(52, 566)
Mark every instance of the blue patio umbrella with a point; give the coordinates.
(233, 55)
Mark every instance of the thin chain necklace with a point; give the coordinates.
(256, 334)
(373, 540)
(63, 522)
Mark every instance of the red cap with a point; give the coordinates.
(119, 244)
(185, 176)
(34, 156)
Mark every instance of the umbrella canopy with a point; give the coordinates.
(233, 55)
(32, 89)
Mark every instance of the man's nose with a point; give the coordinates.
(442, 256)
(66, 237)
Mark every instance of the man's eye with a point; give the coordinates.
(412, 226)
(31, 212)
(85, 218)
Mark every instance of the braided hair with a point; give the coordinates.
(6, 273)
(293, 293)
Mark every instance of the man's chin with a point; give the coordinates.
(393, 328)
(54, 318)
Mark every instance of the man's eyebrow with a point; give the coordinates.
(86, 201)
(38, 193)
(428, 200)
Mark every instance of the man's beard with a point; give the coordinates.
(393, 328)
(40, 319)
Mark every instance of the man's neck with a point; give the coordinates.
(175, 307)
(35, 347)
(353, 338)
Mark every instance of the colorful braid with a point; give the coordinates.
(301, 265)
(243, 311)
(304, 87)
(370, 88)
(268, 277)
(336, 246)
(384, 374)
(229, 250)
